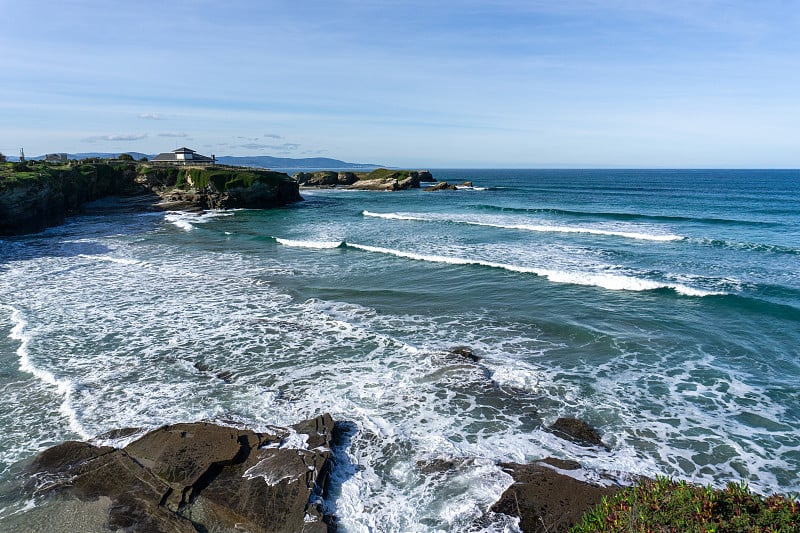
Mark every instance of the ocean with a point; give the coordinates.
(660, 306)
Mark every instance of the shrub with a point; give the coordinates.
(665, 505)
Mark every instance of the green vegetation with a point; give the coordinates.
(225, 179)
(125, 157)
(665, 505)
(102, 176)
(384, 174)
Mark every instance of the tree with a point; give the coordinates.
(125, 157)
(2, 158)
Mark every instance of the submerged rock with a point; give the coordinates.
(577, 431)
(546, 500)
(198, 477)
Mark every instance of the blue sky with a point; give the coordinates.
(572, 83)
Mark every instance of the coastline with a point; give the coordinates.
(359, 302)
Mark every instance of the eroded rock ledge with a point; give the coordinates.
(199, 477)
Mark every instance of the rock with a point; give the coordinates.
(577, 431)
(546, 501)
(317, 179)
(465, 352)
(347, 178)
(466, 184)
(198, 477)
(441, 186)
(383, 179)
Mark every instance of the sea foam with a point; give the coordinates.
(608, 281)
(540, 228)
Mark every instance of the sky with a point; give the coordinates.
(426, 84)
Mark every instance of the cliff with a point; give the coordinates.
(381, 179)
(36, 195)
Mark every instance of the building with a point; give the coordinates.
(184, 156)
(55, 158)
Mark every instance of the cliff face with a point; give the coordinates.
(41, 196)
(35, 197)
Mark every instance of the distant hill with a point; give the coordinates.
(267, 161)
(262, 161)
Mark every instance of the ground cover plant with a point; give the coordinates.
(666, 505)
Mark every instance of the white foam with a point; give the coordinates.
(186, 220)
(319, 245)
(64, 387)
(614, 282)
(393, 216)
(541, 228)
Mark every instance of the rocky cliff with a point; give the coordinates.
(35, 196)
(378, 180)
(38, 195)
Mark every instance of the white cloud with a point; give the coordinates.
(174, 134)
(152, 116)
(117, 137)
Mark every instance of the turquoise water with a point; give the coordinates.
(662, 307)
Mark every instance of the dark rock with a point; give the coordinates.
(577, 431)
(466, 353)
(317, 179)
(347, 178)
(425, 176)
(391, 180)
(546, 501)
(441, 186)
(197, 477)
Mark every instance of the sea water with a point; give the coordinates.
(661, 307)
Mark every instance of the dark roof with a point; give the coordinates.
(173, 156)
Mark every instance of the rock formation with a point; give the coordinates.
(545, 500)
(199, 477)
(378, 180)
(38, 196)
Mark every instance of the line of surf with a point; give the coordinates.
(540, 228)
(615, 282)
(317, 245)
(64, 387)
(618, 215)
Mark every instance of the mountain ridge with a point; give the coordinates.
(263, 161)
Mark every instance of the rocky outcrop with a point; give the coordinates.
(445, 186)
(546, 500)
(34, 198)
(577, 431)
(325, 178)
(378, 180)
(199, 477)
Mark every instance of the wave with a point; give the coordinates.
(621, 216)
(64, 387)
(541, 228)
(186, 220)
(319, 245)
(615, 282)
(747, 246)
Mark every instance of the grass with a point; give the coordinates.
(665, 505)
(385, 174)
